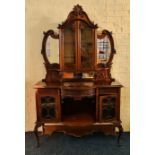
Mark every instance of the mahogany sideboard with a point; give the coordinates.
(78, 95)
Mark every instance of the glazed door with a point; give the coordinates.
(108, 105)
(87, 50)
(77, 47)
(48, 108)
(69, 47)
(48, 104)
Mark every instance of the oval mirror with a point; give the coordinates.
(52, 50)
(105, 49)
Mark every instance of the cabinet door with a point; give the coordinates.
(86, 47)
(108, 104)
(48, 105)
(70, 49)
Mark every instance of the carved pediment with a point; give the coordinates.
(78, 14)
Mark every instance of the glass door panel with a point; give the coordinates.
(87, 36)
(69, 47)
(108, 107)
(48, 107)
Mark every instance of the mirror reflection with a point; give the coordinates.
(52, 50)
(103, 50)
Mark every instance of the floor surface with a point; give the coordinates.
(61, 144)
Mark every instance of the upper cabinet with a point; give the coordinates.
(78, 49)
(78, 42)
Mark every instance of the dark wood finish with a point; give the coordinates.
(78, 106)
(52, 73)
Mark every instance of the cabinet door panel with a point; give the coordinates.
(108, 106)
(48, 105)
(87, 47)
(70, 47)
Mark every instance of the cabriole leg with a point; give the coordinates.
(120, 128)
(36, 133)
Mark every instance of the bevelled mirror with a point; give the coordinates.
(105, 48)
(50, 47)
(52, 50)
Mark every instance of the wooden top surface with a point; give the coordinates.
(76, 85)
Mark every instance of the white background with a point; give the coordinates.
(12, 78)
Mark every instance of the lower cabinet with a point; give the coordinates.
(78, 114)
(49, 107)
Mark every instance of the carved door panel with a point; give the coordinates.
(86, 47)
(108, 106)
(48, 107)
(69, 47)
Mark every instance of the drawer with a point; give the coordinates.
(108, 91)
(78, 92)
(48, 91)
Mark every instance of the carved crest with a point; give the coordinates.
(77, 10)
(78, 14)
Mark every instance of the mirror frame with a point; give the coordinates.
(113, 51)
(53, 35)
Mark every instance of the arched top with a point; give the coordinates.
(77, 14)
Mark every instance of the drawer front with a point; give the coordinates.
(78, 92)
(48, 91)
(108, 90)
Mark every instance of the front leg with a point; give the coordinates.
(36, 132)
(120, 128)
(43, 128)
